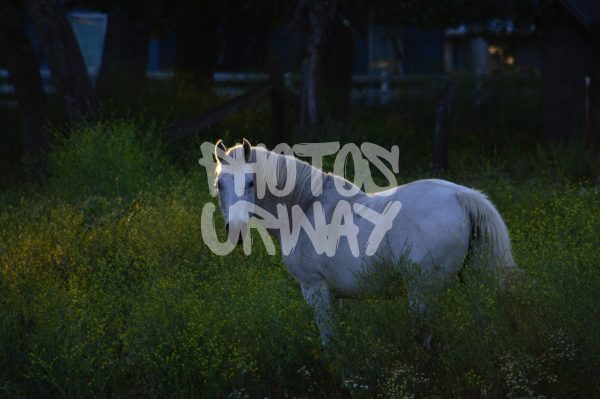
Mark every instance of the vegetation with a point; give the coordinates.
(106, 288)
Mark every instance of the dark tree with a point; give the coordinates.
(126, 46)
(337, 65)
(319, 15)
(197, 40)
(62, 55)
(25, 77)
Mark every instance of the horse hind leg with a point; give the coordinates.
(422, 293)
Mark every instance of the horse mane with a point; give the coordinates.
(301, 193)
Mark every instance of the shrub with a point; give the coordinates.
(106, 159)
(106, 289)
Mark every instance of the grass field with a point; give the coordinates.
(106, 288)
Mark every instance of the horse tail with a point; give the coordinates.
(490, 242)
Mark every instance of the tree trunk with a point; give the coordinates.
(566, 61)
(125, 55)
(440, 134)
(197, 41)
(595, 91)
(25, 77)
(63, 56)
(320, 14)
(396, 36)
(277, 105)
(337, 69)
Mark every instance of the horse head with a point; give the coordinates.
(236, 187)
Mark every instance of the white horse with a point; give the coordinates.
(439, 225)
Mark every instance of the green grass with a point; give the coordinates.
(106, 288)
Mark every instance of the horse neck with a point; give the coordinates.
(301, 193)
(331, 196)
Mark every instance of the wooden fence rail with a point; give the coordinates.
(275, 89)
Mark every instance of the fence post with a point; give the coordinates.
(277, 104)
(440, 135)
(588, 115)
(385, 87)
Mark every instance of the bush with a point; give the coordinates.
(106, 289)
(105, 159)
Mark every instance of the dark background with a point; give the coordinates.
(176, 61)
(107, 288)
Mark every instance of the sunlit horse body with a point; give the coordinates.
(439, 225)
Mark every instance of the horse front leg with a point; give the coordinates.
(317, 295)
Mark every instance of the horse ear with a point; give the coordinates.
(219, 147)
(247, 149)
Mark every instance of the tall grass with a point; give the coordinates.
(106, 289)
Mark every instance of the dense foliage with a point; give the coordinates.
(106, 288)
